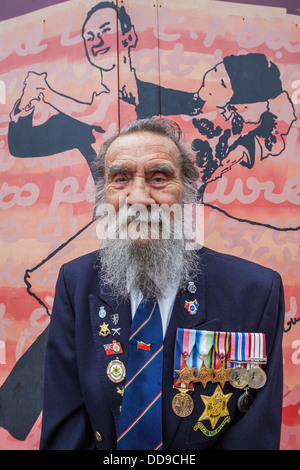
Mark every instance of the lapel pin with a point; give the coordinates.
(102, 312)
(104, 330)
(115, 318)
(113, 348)
(116, 331)
(191, 306)
(191, 287)
(144, 346)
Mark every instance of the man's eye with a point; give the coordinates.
(120, 179)
(158, 178)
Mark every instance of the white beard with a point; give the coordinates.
(146, 264)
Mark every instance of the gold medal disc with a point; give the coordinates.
(182, 404)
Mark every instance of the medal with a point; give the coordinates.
(244, 402)
(221, 375)
(182, 403)
(215, 406)
(239, 377)
(203, 345)
(221, 346)
(186, 375)
(256, 376)
(116, 371)
(240, 344)
(204, 375)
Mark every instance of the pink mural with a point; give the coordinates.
(71, 74)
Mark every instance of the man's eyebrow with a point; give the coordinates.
(164, 168)
(115, 169)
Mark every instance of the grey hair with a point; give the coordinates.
(164, 127)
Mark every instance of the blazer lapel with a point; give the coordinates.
(181, 318)
(116, 318)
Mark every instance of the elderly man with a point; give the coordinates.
(153, 345)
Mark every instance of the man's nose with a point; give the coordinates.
(139, 193)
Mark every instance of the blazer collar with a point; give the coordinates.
(118, 320)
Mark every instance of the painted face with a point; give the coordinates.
(216, 88)
(100, 39)
(143, 168)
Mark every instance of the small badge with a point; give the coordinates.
(116, 371)
(144, 346)
(116, 331)
(191, 306)
(113, 348)
(104, 330)
(191, 287)
(115, 318)
(102, 312)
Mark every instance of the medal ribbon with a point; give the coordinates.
(221, 347)
(258, 347)
(204, 342)
(185, 343)
(240, 349)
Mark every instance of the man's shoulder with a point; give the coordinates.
(234, 267)
(82, 264)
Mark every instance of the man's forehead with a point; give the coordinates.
(139, 144)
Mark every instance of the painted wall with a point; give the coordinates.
(60, 100)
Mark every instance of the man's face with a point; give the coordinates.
(100, 39)
(144, 169)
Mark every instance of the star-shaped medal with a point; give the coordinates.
(215, 406)
(186, 375)
(222, 375)
(204, 375)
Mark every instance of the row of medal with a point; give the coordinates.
(217, 357)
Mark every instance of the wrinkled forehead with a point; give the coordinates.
(145, 145)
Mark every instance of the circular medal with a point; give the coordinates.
(244, 402)
(239, 377)
(256, 377)
(182, 404)
(116, 371)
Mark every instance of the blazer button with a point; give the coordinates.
(98, 436)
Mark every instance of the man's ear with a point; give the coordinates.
(130, 38)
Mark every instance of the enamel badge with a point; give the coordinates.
(113, 348)
(191, 306)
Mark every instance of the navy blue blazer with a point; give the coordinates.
(82, 405)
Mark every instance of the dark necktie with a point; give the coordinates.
(140, 424)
